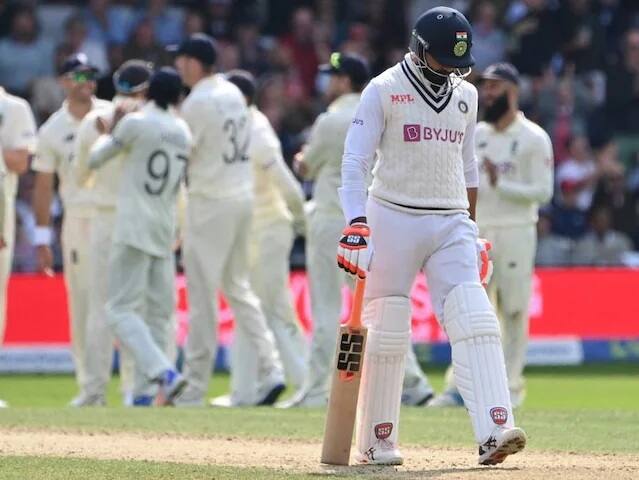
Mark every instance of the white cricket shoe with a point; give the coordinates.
(450, 398)
(3, 404)
(88, 400)
(417, 395)
(379, 455)
(501, 443)
(305, 399)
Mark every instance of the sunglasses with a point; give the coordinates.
(83, 76)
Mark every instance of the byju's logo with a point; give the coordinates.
(412, 133)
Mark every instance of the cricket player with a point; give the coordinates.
(131, 82)
(17, 145)
(54, 156)
(419, 116)
(218, 223)
(278, 211)
(156, 145)
(516, 177)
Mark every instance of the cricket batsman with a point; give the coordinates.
(54, 156)
(155, 144)
(420, 118)
(278, 212)
(516, 177)
(218, 223)
(17, 145)
(131, 82)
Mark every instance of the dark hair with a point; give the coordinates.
(165, 88)
(245, 81)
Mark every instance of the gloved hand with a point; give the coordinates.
(484, 263)
(355, 250)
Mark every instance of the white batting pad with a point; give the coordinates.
(388, 322)
(478, 358)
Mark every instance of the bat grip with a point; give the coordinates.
(355, 319)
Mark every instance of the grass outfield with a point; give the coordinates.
(569, 409)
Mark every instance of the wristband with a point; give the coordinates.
(42, 236)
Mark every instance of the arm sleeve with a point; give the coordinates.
(540, 185)
(86, 137)
(314, 151)
(108, 146)
(361, 143)
(288, 185)
(22, 134)
(46, 159)
(471, 170)
(193, 115)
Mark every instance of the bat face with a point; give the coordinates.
(350, 355)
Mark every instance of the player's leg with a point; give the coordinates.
(514, 285)
(6, 257)
(76, 257)
(246, 306)
(208, 237)
(325, 285)
(416, 390)
(461, 304)
(400, 247)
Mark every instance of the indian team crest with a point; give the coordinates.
(461, 46)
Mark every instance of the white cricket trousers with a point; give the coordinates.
(76, 256)
(141, 304)
(325, 282)
(270, 249)
(216, 241)
(99, 353)
(6, 257)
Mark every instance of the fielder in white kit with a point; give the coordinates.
(54, 156)
(278, 214)
(141, 279)
(218, 224)
(419, 116)
(131, 82)
(516, 177)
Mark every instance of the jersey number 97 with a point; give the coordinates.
(159, 169)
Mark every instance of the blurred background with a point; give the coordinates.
(579, 58)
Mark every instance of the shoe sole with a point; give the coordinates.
(509, 447)
(272, 396)
(390, 462)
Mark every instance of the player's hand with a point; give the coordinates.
(484, 263)
(102, 125)
(2, 243)
(492, 171)
(299, 225)
(299, 165)
(45, 260)
(355, 249)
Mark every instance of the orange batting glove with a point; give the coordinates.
(484, 262)
(355, 250)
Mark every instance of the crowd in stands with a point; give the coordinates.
(579, 60)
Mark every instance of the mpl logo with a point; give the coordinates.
(412, 133)
(402, 98)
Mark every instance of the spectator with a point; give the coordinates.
(568, 220)
(580, 170)
(601, 246)
(219, 18)
(107, 24)
(24, 56)
(167, 22)
(47, 93)
(193, 23)
(489, 41)
(534, 38)
(142, 45)
(300, 50)
(622, 89)
(552, 249)
(622, 204)
(581, 36)
(76, 37)
(253, 53)
(105, 88)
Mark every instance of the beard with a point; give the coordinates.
(433, 78)
(493, 112)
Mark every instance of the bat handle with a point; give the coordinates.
(355, 319)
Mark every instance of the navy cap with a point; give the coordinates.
(132, 76)
(354, 66)
(199, 46)
(501, 71)
(78, 62)
(165, 87)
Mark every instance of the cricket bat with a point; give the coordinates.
(342, 404)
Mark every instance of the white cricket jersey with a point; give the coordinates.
(155, 145)
(55, 152)
(425, 145)
(104, 182)
(524, 158)
(324, 150)
(277, 192)
(17, 131)
(217, 114)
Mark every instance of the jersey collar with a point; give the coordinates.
(423, 89)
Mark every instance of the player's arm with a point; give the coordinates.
(2, 207)
(313, 155)
(288, 185)
(539, 187)
(471, 169)
(45, 165)
(194, 113)
(110, 145)
(86, 137)
(22, 135)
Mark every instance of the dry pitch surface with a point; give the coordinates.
(302, 456)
